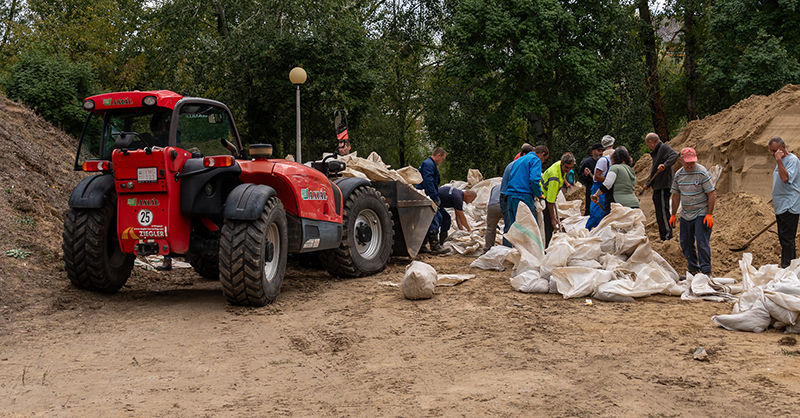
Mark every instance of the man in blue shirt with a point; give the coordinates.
(785, 197)
(526, 148)
(430, 183)
(523, 184)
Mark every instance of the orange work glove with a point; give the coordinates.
(709, 220)
(672, 221)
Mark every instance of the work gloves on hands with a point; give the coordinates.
(707, 221)
(438, 204)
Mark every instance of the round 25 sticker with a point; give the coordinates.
(145, 217)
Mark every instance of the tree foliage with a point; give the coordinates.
(54, 87)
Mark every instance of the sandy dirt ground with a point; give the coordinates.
(169, 345)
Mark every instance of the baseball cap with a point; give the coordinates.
(597, 146)
(607, 141)
(688, 155)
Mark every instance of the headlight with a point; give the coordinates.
(88, 104)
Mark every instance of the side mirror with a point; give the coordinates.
(124, 140)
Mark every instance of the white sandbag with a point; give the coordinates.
(779, 313)
(700, 284)
(592, 264)
(575, 223)
(410, 174)
(755, 319)
(530, 282)
(606, 293)
(474, 177)
(567, 208)
(585, 248)
(494, 259)
(353, 173)
(419, 281)
(573, 282)
(375, 158)
(557, 256)
(525, 235)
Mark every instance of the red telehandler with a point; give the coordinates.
(172, 178)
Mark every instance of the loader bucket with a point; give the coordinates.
(412, 213)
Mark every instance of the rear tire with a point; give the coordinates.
(367, 237)
(252, 256)
(206, 265)
(93, 258)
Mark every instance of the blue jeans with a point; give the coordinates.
(513, 202)
(596, 210)
(698, 259)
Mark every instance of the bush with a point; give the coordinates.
(54, 87)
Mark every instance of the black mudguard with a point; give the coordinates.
(246, 201)
(348, 184)
(91, 192)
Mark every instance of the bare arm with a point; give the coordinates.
(461, 221)
(781, 168)
(553, 217)
(712, 198)
(676, 201)
(598, 176)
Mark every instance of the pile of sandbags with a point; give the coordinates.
(373, 168)
(771, 297)
(613, 263)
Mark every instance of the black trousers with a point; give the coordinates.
(787, 231)
(661, 202)
(588, 199)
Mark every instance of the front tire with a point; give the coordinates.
(93, 258)
(367, 239)
(252, 256)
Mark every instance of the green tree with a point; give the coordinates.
(540, 71)
(54, 87)
(751, 48)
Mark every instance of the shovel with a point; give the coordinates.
(755, 236)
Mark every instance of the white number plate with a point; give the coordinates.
(146, 175)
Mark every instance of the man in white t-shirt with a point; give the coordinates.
(597, 210)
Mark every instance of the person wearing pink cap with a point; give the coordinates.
(693, 188)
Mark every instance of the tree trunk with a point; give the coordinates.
(222, 26)
(651, 58)
(690, 36)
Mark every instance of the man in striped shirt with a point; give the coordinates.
(693, 188)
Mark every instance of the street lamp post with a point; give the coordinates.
(298, 76)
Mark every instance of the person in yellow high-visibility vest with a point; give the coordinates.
(552, 180)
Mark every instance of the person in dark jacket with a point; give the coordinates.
(586, 172)
(430, 183)
(660, 180)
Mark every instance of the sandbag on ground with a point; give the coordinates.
(419, 281)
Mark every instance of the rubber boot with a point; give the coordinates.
(442, 237)
(436, 249)
(424, 249)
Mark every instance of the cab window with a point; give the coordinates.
(203, 127)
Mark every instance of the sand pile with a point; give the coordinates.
(737, 137)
